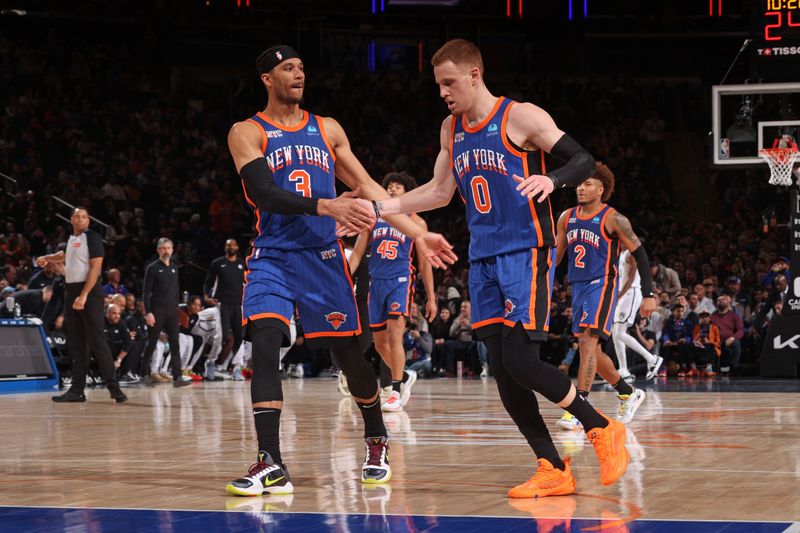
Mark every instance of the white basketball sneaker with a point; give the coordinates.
(405, 389)
(393, 403)
(652, 370)
(569, 422)
(263, 477)
(629, 404)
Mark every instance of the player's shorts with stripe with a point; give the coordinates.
(593, 304)
(627, 306)
(389, 298)
(510, 288)
(316, 279)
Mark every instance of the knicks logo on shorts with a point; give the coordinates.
(336, 319)
(584, 316)
(395, 306)
(509, 306)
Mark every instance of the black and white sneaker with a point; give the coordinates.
(376, 467)
(263, 477)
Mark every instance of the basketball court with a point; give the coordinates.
(705, 456)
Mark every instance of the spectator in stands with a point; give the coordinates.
(781, 289)
(779, 266)
(45, 276)
(731, 330)
(740, 300)
(114, 286)
(705, 303)
(461, 346)
(676, 340)
(417, 342)
(706, 340)
(690, 315)
(666, 278)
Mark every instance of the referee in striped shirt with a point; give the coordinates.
(84, 314)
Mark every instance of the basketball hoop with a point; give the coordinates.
(781, 159)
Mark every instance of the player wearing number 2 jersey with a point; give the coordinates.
(590, 234)
(288, 159)
(491, 150)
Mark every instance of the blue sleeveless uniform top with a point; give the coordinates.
(302, 161)
(483, 163)
(390, 252)
(592, 253)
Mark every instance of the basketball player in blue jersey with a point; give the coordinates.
(492, 151)
(590, 234)
(288, 160)
(391, 291)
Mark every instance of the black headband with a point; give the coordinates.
(274, 56)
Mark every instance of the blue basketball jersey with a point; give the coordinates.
(483, 163)
(390, 252)
(302, 162)
(591, 252)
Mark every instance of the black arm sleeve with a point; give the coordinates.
(208, 284)
(147, 288)
(260, 188)
(95, 244)
(643, 266)
(578, 163)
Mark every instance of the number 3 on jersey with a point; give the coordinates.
(302, 182)
(480, 194)
(580, 251)
(388, 250)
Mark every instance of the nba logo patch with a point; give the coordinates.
(336, 319)
(395, 306)
(509, 306)
(278, 54)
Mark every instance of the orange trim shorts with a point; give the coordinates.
(510, 288)
(316, 279)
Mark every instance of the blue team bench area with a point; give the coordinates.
(48, 520)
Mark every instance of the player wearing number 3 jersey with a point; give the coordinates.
(288, 160)
(491, 150)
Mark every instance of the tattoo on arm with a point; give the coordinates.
(624, 227)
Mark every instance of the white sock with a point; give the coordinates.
(621, 332)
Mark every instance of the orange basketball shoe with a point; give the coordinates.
(609, 445)
(547, 481)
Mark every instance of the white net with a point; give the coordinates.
(780, 161)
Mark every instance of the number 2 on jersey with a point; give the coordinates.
(302, 182)
(580, 251)
(388, 250)
(480, 194)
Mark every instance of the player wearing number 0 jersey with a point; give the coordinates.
(491, 150)
(590, 234)
(288, 159)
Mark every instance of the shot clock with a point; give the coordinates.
(776, 39)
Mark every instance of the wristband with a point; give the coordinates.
(377, 209)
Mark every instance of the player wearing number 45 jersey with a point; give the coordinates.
(590, 234)
(287, 159)
(492, 151)
(391, 290)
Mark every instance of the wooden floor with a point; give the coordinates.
(695, 456)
